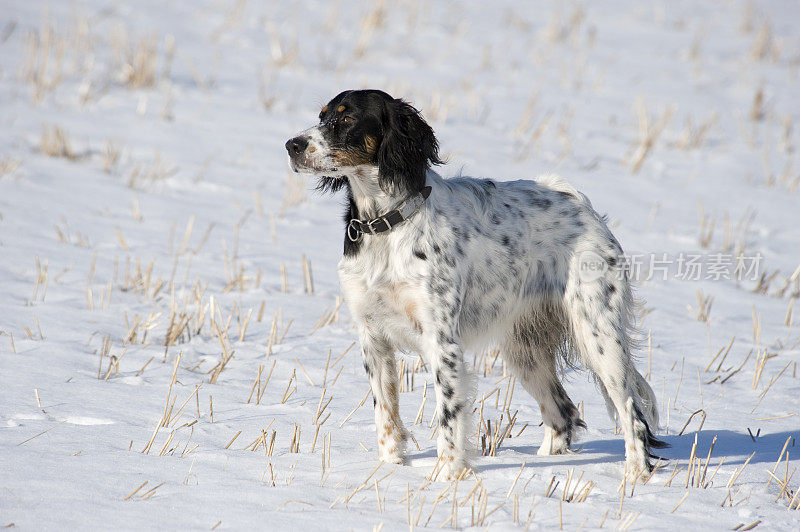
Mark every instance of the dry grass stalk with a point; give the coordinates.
(692, 457)
(514, 483)
(780, 457)
(349, 347)
(627, 520)
(233, 18)
(737, 370)
(279, 56)
(727, 350)
(305, 373)
(137, 62)
(286, 393)
(174, 418)
(327, 316)
(294, 446)
(535, 138)
(421, 411)
(579, 492)
(309, 282)
(105, 348)
(41, 433)
(8, 165)
(680, 502)
(551, 488)
(761, 362)
(359, 405)
(736, 474)
(694, 136)
(648, 134)
(66, 236)
(44, 65)
(764, 47)
(491, 440)
(273, 334)
(285, 330)
(145, 365)
(256, 383)
(764, 282)
(227, 352)
(284, 280)
(771, 382)
(112, 153)
(702, 421)
(786, 134)
(363, 484)
(234, 268)
(321, 408)
(243, 324)
(757, 111)
(526, 118)
(784, 484)
(233, 439)
(167, 409)
(748, 17)
(703, 307)
(134, 492)
(11, 338)
(706, 228)
(41, 278)
(55, 143)
(113, 364)
(267, 99)
(560, 31)
(372, 21)
(147, 174)
(327, 366)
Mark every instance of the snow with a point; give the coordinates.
(200, 202)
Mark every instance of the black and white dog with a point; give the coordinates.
(439, 266)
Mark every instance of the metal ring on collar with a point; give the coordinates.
(353, 233)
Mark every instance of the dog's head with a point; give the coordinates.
(366, 134)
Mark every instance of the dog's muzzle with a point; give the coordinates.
(297, 148)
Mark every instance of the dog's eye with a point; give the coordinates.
(348, 119)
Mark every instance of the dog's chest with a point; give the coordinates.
(386, 294)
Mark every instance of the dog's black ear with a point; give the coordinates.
(408, 148)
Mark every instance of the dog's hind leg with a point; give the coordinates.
(535, 369)
(599, 311)
(379, 363)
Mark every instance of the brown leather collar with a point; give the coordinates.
(356, 228)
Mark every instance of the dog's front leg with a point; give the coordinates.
(379, 363)
(450, 383)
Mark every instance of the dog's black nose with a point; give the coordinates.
(297, 145)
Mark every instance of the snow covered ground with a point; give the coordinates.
(145, 200)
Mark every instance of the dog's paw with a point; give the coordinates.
(449, 466)
(392, 457)
(637, 471)
(457, 472)
(553, 443)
